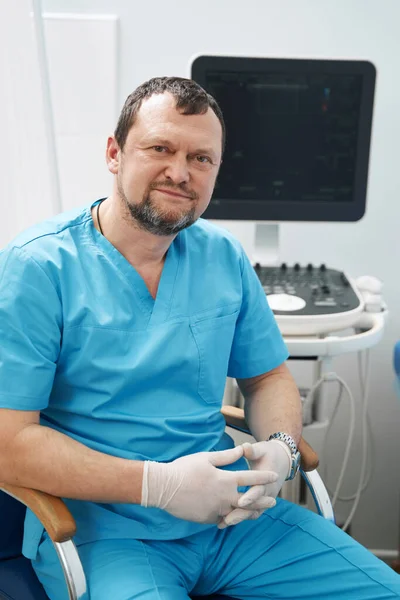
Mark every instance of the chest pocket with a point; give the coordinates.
(213, 336)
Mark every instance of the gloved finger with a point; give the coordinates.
(225, 457)
(254, 477)
(253, 451)
(261, 504)
(234, 517)
(238, 515)
(252, 495)
(255, 514)
(220, 523)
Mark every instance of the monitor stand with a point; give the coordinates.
(266, 244)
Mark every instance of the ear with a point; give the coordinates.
(113, 154)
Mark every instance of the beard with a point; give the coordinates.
(150, 217)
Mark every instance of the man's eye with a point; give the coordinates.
(159, 148)
(203, 159)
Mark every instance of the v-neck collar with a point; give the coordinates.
(156, 309)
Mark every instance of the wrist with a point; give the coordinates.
(291, 445)
(284, 450)
(152, 483)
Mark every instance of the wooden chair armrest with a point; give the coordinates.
(234, 417)
(51, 511)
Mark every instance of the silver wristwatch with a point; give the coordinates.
(291, 444)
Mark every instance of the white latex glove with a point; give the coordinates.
(194, 489)
(262, 456)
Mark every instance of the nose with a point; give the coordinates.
(177, 169)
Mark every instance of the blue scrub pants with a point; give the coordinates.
(288, 553)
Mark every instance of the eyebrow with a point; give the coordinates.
(164, 142)
(205, 151)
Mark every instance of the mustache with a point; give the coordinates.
(178, 188)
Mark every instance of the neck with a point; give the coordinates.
(138, 246)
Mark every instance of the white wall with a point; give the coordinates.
(25, 183)
(158, 38)
(84, 84)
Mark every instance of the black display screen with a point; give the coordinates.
(298, 136)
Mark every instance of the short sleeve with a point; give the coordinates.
(30, 332)
(258, 346)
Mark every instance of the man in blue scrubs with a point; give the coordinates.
(119, 324)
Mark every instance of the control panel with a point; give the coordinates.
(310, 299)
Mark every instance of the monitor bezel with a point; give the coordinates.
(254, 210)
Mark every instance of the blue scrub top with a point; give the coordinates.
(83, 341)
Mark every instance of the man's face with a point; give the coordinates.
(167, 170)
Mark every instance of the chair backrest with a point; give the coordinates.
(12, 515)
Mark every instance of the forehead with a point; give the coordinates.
(158, 117)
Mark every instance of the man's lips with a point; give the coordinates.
(171, 193)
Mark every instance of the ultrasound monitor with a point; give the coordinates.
(298, 137)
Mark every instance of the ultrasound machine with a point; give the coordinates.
(297, 149)
(298, 141)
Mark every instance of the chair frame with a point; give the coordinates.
(60, 524)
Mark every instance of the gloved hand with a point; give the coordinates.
(194, 489)
(262, 456)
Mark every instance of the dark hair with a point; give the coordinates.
(191, 99)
